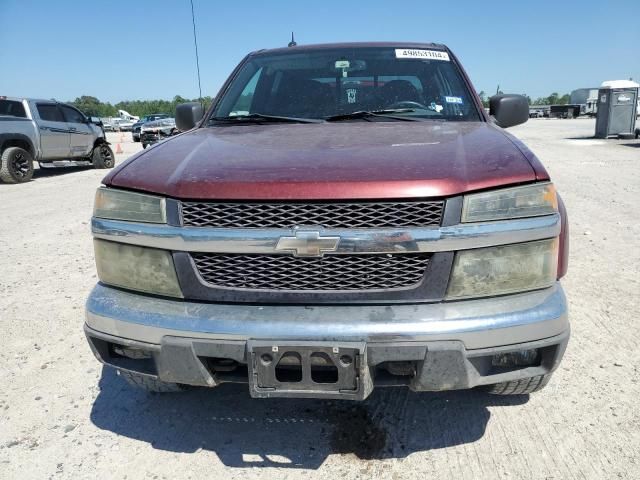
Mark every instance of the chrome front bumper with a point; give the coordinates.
(481, 323)
(446, 345)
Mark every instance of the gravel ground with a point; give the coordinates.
(62, 416)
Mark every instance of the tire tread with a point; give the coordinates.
(5, 173)
(520, 387)
(149, 384)
(98, 161)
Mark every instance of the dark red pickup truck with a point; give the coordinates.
(343, 217)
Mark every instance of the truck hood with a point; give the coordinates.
(350, 160)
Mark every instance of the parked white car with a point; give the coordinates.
(122, 125)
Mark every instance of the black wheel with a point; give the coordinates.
(103, 157)
(519, 387)
(144, 145)
(16, 165)
(150, 384)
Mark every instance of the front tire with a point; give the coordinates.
(519, 387)
(103, 157)
(16, 165)
(149, 384)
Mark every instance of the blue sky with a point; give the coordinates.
(117, 50)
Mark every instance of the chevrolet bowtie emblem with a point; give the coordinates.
(308, 244)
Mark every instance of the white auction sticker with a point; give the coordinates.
(422, 54)
(453, 100)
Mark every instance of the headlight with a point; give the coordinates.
(135, 207)
(504, 269)
(136, 268)
(527, 201)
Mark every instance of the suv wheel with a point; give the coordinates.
(103, 157)
(519, 387)
(16, 165)
(150, 384)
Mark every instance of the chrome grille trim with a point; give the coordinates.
(327, 215)
(388, 240)
(329, 273)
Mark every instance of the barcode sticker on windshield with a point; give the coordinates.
(422, 54)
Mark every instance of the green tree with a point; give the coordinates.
(553, 99)
(483, 98)
(93, 107)
(147, 107)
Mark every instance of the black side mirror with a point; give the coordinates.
(187, 115)
(509, 109)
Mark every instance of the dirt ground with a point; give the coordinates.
(63, 416)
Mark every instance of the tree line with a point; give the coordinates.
(93, 107)
(553, 99)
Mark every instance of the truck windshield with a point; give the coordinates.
(328, 83)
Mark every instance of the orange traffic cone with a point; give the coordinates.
(119, 149)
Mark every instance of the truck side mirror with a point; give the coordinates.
(187, 115)
(509, 109)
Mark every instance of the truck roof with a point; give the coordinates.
(327, 46)
(29, 99)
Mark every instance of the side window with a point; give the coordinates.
(244, 101)
(49, 112)
(72, 115)
(12, 109)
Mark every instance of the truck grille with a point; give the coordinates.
(331, 272)
(328, 215)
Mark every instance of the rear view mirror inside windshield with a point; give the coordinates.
(349, 65)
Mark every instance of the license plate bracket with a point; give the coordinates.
(308, 370)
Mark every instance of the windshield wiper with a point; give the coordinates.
(261, 118)
(364, 114)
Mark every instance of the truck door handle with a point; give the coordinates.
(73, 129)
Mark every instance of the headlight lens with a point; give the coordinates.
(527, 201)
(136, 268)
(504, 269)
(135, 207)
